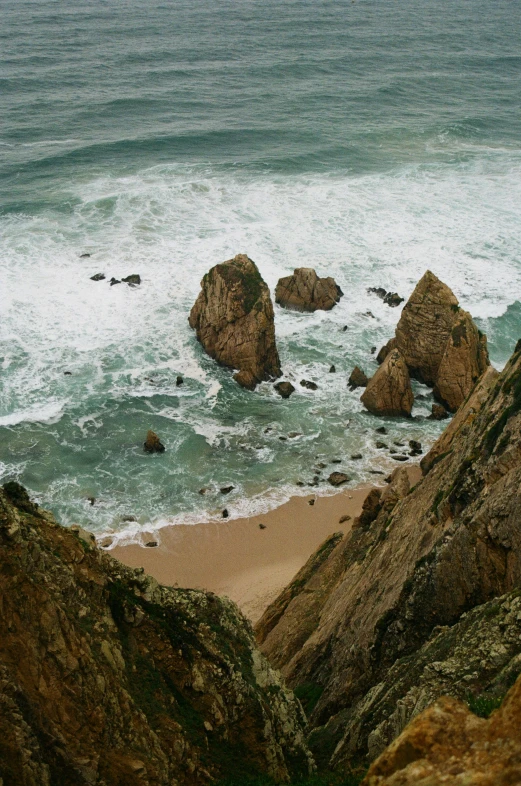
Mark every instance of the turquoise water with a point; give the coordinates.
(370, 140)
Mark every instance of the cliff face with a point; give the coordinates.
(233, 319)
(420, 560)
(108, 678)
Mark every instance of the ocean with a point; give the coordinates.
(371, 140)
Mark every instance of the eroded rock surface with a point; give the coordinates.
(389, 391)
(233, 320)
(305, 291)
(108, 678)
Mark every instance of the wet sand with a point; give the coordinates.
(250, 560)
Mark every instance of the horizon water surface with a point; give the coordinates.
(370, 140)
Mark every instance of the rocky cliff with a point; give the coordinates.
(391, 595)
(108, 678)
(233, 320)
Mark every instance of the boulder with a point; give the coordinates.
(153, 444)
(98, 277)
(305, 383)
(305, 291)
(438, 412)
(385, 350)
(233, 320)
(389, 391)
(338, 478)
(284, 389)
(357, 379)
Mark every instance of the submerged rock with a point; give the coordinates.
(305, 383)
(98, 277)
(438, 412)
(389, 391)
(233, 320)
(305, 291)
(152, 443)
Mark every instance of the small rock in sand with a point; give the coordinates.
(311, 501)
(345, 518)
(262, 526)
(151, 544)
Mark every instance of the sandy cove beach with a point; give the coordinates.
(250, 560)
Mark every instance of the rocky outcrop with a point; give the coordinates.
(389, 391)
(440, 342)
(448, 744)
(233, 320)
(394, 592)
(305, 291)
(108, 678)
(385, 350)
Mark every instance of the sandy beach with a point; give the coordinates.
(250, 560)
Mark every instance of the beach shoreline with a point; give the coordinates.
(249, 560)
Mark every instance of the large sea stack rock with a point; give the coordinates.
(440, 343)
(233, 319)
(305, 291)
(106, 677)
(389, 391)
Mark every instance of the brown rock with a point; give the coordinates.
(338, 478)
(448, 744)
(233, 320)
(153, 444)
(284, 389)
(425, 326)
(389, 391)
(440, 343)
(385, 350)
(463, 363)
(305, 291)
(438, 412)
(357, 379)
(305, 383)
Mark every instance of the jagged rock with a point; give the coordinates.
(338, 478)
(305, 291)
(389, 391)
(448, 744)
(332, 369)
(440, 343)
(179, 381)
(370, 509)
(153, 444)
(133, 280)
(233, 320)
(284, 389)
(108, 677)
(305, 383)
(114, 281)
(357, 379)
(438, 412)
(98, 277)
(385, 350)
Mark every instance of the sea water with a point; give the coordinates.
(371, 140)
